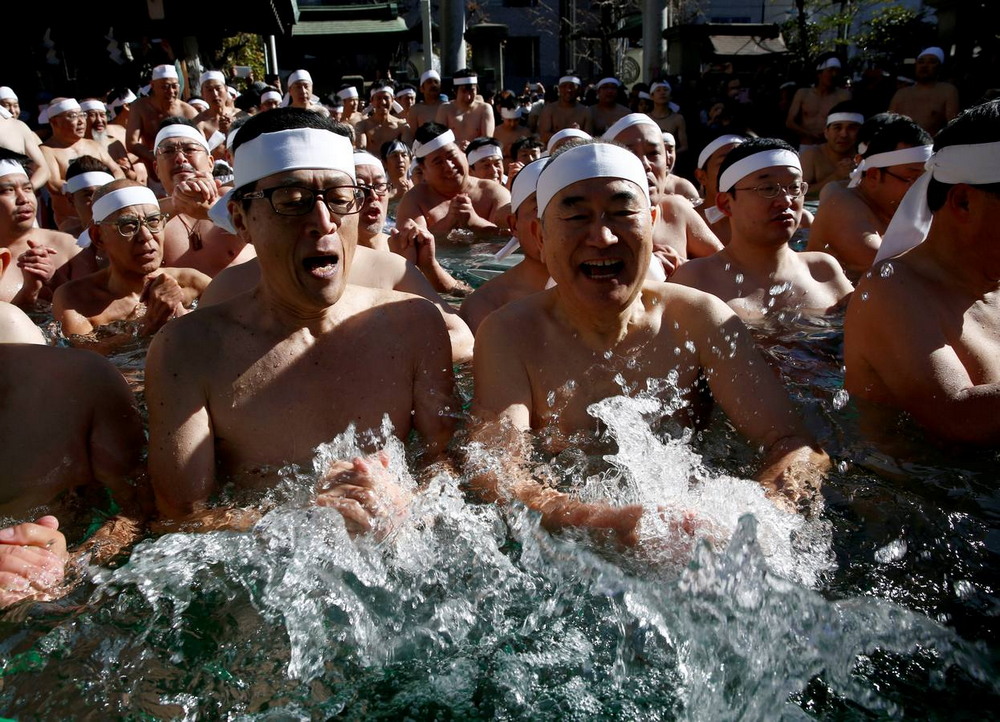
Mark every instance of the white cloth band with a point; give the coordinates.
(471, 80)
(5, 114)
(6, 93)
(406, 91)
(566, 133)
(88, 105)
(422, 150)
(643, 95)
(976, 164)
(713, 215)
(758, 161)
(917, 154)
(669, 139)
(512, 245)
(525, 183)
(569, 79)
(271, 95)
(709, 149)
(217, 139)
(845, 118)
(12, 167)
(211, 75)
(285, 150)
(605, 81)
(363, 157)
(347, 93)
(661, 84)
(510, 113)
(122, 198)
(828, 63)
(219, 212)
(180, 130)
(199, 103)
(164, 71)
(63, 106)
(627, 122)
(428, 74)
(233, 92)
(298, 76)
(487, 151)
(83, 240)
(384, 89)
(594, 160)
(91, 179)
(129, 97)
(397, 146)
(935, 51)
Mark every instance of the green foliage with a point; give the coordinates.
(879, 43)
(238, 49)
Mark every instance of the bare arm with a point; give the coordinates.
(136, 140)
(434, 401)
(848, 234)
(33, 149)
(413, 281)
(794, 111)
(487, 122)
(701, 241)
(73, 323)
(682, 134)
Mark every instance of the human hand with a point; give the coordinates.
(512, 170)
(194, 196)
(668, 257)
(37, 263)
(164, 299)
(33, 560)
(365, 494)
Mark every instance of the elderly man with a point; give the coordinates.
(427, 109)
(128, 229)
(850, 221)
(607, 110)
(112, 137)
(666, 114)
(922, 334)
(381, 126)
(147, 113)
(184, 165)
(468, 116)
(758, 274)
(930, 102)
(834, 160)
(216, 120)
(601, 331)
(68, 141)
(565, 112)
(242, 388)
(810, 106)
(16, 136)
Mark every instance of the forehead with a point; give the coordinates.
(142, 210)
(302, 82)
(14, 179)
(590, 190)
(320, 177)
(368, 172)
(774, 172)
(641, 133)
(443, 152)
(844, 125)
(177, 140)
(161, 82)
(213, 84)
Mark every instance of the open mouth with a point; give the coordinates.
(603, 269)
(321, 266)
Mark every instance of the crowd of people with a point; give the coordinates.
(247, 235)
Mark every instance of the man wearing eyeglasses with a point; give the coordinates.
(758, 274)
(128, 228)
(241, 389)
(68, 141)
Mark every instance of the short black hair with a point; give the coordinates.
(527, 142)
(465, 73)
(85, 164)
(175, 120)
(748, 148)
(883, 132)
(8, 154)
(979, 124)
(846, 106)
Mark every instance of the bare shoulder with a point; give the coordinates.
(696, 271)
(491, 189)
(688, 307)
(57, 240)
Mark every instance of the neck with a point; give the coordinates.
(599, 331)
(279, 314)
(883, 211)
(761, 259)
(960, 260)
(124, 283)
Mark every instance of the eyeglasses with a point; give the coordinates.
(187, 149)
(298, 200)
(128, 226)
(379, 189)
(76, 115)
(773, 190)
(907, 181)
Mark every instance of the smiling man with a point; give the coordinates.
(468, 116)
(242, 388)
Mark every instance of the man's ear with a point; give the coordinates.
(723, 201)
(96, 241)
(654, 212)
(5, 259)
(238, 218)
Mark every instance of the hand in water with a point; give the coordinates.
(195, 196)
(33, 560)
(365, 494)
(164, 299)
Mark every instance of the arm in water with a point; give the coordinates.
(415, 243)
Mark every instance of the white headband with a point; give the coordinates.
(129, 97)
(43, 116)
(594, 160)
(845, 118)
(917, 154)
(566, 133)
(63, 106)
(661, 84)
(180, 130)
(5, 114)
(709, 149)
(122, 198)
(397, 146)
(422, 150)
(510, 113)
(211, 75)
(975, 164)
(164, 71)
(428, 74)
(935, 51)
(270, 95)
(91, 179)
(486, 151)
(6, 93)
(525, 182)
(569, 79)
(668, 139)
(12, 167)
(758, 161)
(219, 212)
(346, 93)
(605, 81)
(471, 80)
(643, 95)
(405, 92)
(627, 122)
(363, 157)
(89, 105)
(199, 103)
(828, 63)
(217, 139)
(383, 89)
(298, 76)
(284, 150)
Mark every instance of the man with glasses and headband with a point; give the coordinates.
(164, 101)
(922, 334)
(69, 141)
(241, 389)
(127, 229)
(758, 274)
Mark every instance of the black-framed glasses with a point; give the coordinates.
(907, 181)
(796, 189)
(187, 149)
(128, 226)
(379, 189)
(299, 200)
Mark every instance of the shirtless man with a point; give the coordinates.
(218, 117)
(666, 114)
(147, 113)
(9, 102)
(931, 103)
(850, 221)
(350, 115)
(529, 275)
(510, 131)
(607, 110)
(542, 360)
(566, 112)
(467, 116)
(128, 229)
(922, 334)
(381, 126)
(675, 184)
(834, 160)
(485, 157)
(406, 96)
(41, 259)
(16, 136)
(811, 106)
(191, 240)
(679, 232)
(270, 99)
(427, 109)
(757, 273)
(300, 92)
(244, 387)
(69, 125)
(707, 173)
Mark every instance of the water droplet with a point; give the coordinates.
(677, 351)
(607, 355)
(886, 270)
(689, 345)
(739, 278)
(891, 552)
(551, 399)
(840, 399)
(779, 288)
(864, 295)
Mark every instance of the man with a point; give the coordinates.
(707, 173)
(675, 184)
(679, 232)
(69, 125)
(607, 110)
(667, 115)
(216, 120)
(184, 165)
(523, 152)
(834, 160)
(83, 177)
(406, 96)
(147, 113)
(381, 126)
(542, 360)
(17, 137)
(529, 275)
(566, 112)
(270, 99)
(128, 230)
(510, 131)
(757, 273)
(112, 137)
(930, 102)
(922, 334)
(9, 102)
(41, 259)
(468, 116)
(850, 221)
(240, 389)
(427, 109)
(811, 106)
(300, 92)
(485, 158)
